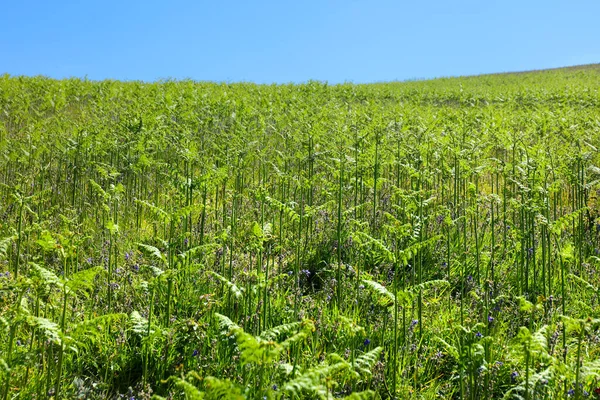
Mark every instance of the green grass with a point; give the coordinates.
(427, 239)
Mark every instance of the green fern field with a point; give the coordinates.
(190, 240)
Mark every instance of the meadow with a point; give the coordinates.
(195, 240)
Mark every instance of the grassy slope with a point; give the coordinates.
(491, 181)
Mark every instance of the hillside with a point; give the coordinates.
(180, 239)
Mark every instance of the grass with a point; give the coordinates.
(430, 239)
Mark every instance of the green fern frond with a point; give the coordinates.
(190, 391)
(287, 210)
(365, 362)
(385, 297)
(46, 276)
(45, 327)
(221, 389)
(351, 327)
(278, 331)
(412, 250)
(157, 212)
(582, 282)
(380, 250)
(96, 325)
(152, 251)
(98, 189)
(312, 382)
(235, 290)
(139, 324)
(82, 281)
(364, 395)
(5, 244)
(565, 221)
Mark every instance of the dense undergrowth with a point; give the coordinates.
(435, 239)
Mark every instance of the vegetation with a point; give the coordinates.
(434, 239)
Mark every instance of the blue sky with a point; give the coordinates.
(294, 41)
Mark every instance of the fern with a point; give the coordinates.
(276, 332)
(4, 244)
(364, 395)
(46, 276)
(313, 381)
(235, 290)
(139, 324)
(156, 211)
(287, 210)
(190, 391)
(365, 362)
(83, 281)
(47, 328)
(385, 297)
(565, 221)
(152, 251)
(221, 389)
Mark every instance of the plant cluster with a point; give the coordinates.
(435, 239)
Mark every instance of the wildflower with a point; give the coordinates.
(290, 273)
(274, 387)
(571, 392)
(367, 342)
(361, 287)
(127, 256)
(88, 260)
(490, 319)
(514, 375)
(478, 335)
(136, 267)
(194, 353)
(414, 322)
(444, 264)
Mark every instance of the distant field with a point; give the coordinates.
(425, 239)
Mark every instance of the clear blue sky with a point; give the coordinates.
(294, 41)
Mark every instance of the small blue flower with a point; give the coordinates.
(478, 335)
(571, 392)
(414, 322)
(274, 387)
(514, 375)
(490, 319)
(367, 342)
(194, 353)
